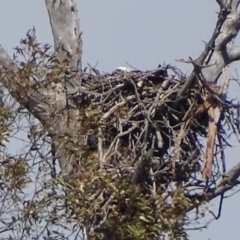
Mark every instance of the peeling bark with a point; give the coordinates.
(212, 131)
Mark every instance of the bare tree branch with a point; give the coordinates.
(221, 3)
(204, 55)
(65, 25)
(234, 4)
(228, 4)
(229, 181)
(223, 45)
(219, 51)
(234, 54)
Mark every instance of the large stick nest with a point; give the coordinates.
(139, 139)
(137, 126)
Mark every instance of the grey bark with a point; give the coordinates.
(229, 181)
(224, 45)
(220, 51)
(65, 26)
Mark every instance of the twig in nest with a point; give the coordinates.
(142, 167)
(104, 157)
(222, 154)
(160, 139)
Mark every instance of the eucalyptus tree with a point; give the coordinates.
(127, 143)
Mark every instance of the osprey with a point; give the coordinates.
(125, 69)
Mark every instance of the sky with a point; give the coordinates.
(142, 33)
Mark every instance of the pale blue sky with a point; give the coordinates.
(143, 33)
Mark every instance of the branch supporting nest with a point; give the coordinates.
(141, 132)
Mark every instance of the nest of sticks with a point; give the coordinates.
(137, 125)
(140, 137)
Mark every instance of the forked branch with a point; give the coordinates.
(220, 50)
